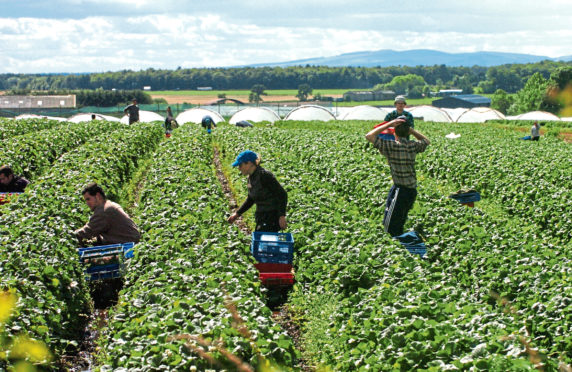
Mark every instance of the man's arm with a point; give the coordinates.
(372, 135)
(418, 135)
(96, 225)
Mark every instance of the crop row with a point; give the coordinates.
(530, 180)
(187, 268)
(385, 308)
(32, 153)
(38, 257)
(10, 128)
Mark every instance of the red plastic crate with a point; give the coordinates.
(276, 279)
(273, 267)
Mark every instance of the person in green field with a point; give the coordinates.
(109, 224)
(400, 155)
(170, 122)
(265, 191)
(132, 111)
(9, 182)
(400, 104)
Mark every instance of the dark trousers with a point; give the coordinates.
(399, 201)
(267, 221)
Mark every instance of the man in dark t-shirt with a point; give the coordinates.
(9, 182)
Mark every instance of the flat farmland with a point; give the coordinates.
(197, 97)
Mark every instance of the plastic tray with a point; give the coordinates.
(105, 261)
(273, 267)
(276, 279)
(271, 247)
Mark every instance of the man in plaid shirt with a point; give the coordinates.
(400, 155)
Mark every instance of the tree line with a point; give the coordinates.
(419, 79)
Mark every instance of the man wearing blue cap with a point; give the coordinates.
(400, 155)
(208, 123)
(265, 191)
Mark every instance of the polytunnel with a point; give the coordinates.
(144, 117)
(254, 114)
(365, 112)
(34, 116)
(78, 118)
(538, 115)
(196, 115)
(480, 115)
(430, 113)
(309, 113)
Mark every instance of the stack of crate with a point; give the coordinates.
(274, 253)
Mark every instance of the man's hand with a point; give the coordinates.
(282, 222)
(232, 218)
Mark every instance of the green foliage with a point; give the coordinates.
(391, 310)
(256, 91)
(38, 259)
(507, 77)
(97, 97)
(532, 97)
(304, 90)
(501, 101)
(187, 263)
(404, 84)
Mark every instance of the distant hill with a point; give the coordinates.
(417, 57)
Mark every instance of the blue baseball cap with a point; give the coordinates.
(245, 156)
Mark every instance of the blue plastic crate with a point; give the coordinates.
(412, 242)
(105, 261)
(271, 247)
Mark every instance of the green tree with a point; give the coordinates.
(256, 91)
(532, 97)
(304, 90)
(501, 101)
(404, 83)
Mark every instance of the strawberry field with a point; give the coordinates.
(494, 292)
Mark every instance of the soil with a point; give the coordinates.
(228, 193)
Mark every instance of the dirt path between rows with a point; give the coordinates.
(282, 316)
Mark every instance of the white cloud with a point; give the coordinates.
(97, 43)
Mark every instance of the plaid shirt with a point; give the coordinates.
(401, 158)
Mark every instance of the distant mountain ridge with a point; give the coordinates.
(416, 57)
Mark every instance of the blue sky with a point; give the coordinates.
(110, 35)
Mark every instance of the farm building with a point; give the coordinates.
(462, 100)
(369, 95)
(535, 115)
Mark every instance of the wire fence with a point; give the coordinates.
(225, 110)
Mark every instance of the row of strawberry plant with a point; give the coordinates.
(10, 127)
(38, 257)
(530, 180)
(342, 251)
(189, 263)
(30, 154)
